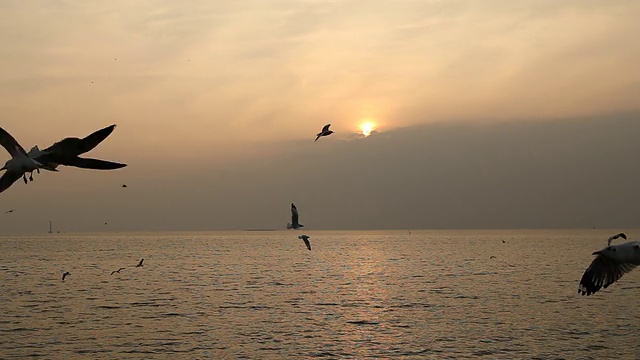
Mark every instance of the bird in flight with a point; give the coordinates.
(66, 273)
(610, 239)
(117, 271)
(20, 163)
(68, 150)
(608, 267)
(294, 219)
(305, 238)
(325, 132)
(124, 185)
(9, 211)
(140, 263)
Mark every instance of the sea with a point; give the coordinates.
(405, 294)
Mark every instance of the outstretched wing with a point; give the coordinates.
(91, 141)
(325, 128)
(95, 164)
(602, 272)
(10, 144)
(306, 242)
(294, 215)
(7, 179)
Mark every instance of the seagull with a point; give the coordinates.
(124, 185)
(68, 150)
(325, 132)
(19, 164)
(294, 219)
(608, 267)
(305, 238)
(9, 211)
(140, 263)
(117, 271)
(65, 275)
(621, 235)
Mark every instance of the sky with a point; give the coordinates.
(492, 114)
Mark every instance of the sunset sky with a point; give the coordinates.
(218, 102)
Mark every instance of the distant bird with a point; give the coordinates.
(294, 219)
(68, 150)
(325, 132)
(305, 238)
(117, 271)
(20, 163)
(140, 263)
(9, 211)
(105, 223)
(124, 185)
(608, 267)
(65, 275)
(504, 242)
(610, 239)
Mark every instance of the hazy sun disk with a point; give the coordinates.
(367, 128)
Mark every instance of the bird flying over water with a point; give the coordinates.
(610, 239)
(608, 267)
(68, 150)
(305, 238)
(20, 163)
(9, 211)
(294, 219)
(66, 273)
(140, 263)
(117, 271)
(325, 132)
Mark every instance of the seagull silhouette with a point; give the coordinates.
(19, 164)
(140, 263)
(305, 238)
(294, 219)
(117, 271)
(9, 211)
(325, 132)
(608, 267)
(68, 150)
(66, 273)
(124, 185)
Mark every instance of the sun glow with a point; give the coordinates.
(367, 128)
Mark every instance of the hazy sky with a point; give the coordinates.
(217, 104)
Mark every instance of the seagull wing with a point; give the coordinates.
(326, 128)
(602, 272)
(10, 144)
(91, 141)
(7, 179)
(95, 164)
(306, 242)
(294, 215)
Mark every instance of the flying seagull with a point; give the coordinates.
(621, 235)
(325, 132)
(9, 211)
(294, 219)
(68, 150)
(305, 238)
(140, 263)
(124, 185)
(117, 271)
(66, 273)
(608, 267)
(19, 164)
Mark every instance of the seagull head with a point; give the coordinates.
(608, 251)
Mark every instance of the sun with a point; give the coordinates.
(367, 128)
